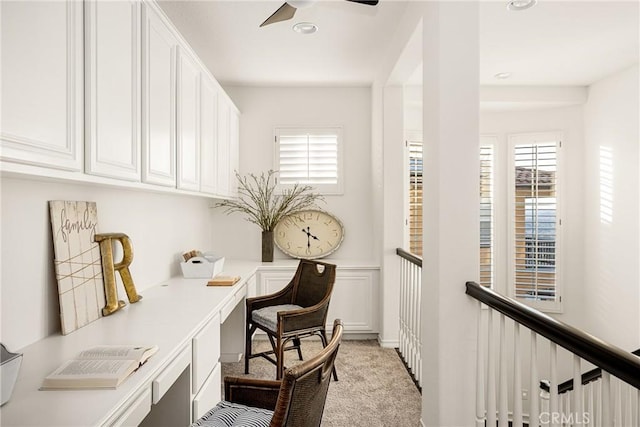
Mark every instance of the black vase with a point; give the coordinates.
(267, 246)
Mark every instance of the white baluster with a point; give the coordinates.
(416, 319)
(491, 373)
(503, 402)
(553, 388)
(617, 399)
(568, 407)
(637, 412)
(412, 296)
(588, 404)
(480, 383)
(576, 406)
(403, 299)
(606, 400)
(534, 393)
(419, 327)
(517, 378)
(627, 415)
(596, 420)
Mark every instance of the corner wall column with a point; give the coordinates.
(451, 209)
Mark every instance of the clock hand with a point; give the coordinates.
(309, 236)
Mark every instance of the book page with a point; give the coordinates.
(87, 368)
(115, 352)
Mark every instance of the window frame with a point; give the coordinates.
(325, 189)
(536, 138)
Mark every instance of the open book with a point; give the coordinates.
(99, 367)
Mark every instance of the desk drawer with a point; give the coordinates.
(135, 413)
(206, 352)
(165, 380)
(238, 296)
(209, 395)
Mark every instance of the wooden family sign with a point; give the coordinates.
(77, 262)
(84, 265)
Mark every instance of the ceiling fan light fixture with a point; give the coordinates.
(517, 5)
(301, 4)
(305, 28)
(502, 76)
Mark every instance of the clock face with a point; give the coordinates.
(308, 234)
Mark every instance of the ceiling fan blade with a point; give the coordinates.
(286, 11)
(367, 2)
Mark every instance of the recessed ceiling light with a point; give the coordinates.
(305, 28)
(502, 76)
(520, 4)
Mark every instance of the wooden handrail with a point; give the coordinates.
(612, 359)
(414, 259)
(587, 377)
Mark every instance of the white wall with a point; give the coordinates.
(263, 109)
(160, 226)
(569, 120)
(612, 255)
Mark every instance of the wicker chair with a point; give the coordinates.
(295, 401)
(298, 310)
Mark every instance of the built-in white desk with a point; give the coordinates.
(193, 324)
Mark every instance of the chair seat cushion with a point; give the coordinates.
(227, 414)
(268, 316)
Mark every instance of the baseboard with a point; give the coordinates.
(388, 343)
(230, 357)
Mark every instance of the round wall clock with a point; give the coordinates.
(309, 234)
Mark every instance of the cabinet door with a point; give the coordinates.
(41, 72)
(112, 40)
(208, 137)
(159, 47)
(188, 122)
(234, 150)
(224, 152)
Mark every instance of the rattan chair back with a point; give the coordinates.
(304, 387)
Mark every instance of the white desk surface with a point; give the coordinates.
(169, 315)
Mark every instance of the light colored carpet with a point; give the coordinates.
(374, 388)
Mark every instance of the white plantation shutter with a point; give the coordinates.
(535, 218)
(310, 157)
(415, 196)
(486, 212)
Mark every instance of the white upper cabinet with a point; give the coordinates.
(111, 89)
(224, 149)
(112, 62)
(234, 150)
(42, 83)
(159, 48)
(228, 147)
(188, 115)
(208, 136)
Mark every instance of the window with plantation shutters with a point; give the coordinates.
(486, 211)
(535, 218)
(415, 195)
(310, 156)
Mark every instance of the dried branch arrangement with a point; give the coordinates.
(259, 201)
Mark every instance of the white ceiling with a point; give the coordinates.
(554, 43)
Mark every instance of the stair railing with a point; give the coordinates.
(410, 348)
(614, 400)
